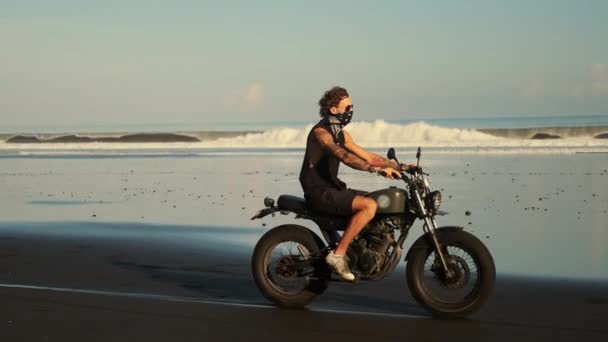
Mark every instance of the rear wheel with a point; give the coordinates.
(286, 266)
(471, 281)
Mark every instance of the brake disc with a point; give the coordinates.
(285, 269)
(460, 272)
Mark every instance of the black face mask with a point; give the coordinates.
(344, 118)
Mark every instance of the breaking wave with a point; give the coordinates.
(370, 134)
(376, 134)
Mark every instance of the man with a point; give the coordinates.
(327, 145)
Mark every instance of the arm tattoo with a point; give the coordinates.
(348, 158)
(342, 154)
(383, 162)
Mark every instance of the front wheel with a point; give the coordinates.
(471, 281)
(286, 266)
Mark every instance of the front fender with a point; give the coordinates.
(425, 240)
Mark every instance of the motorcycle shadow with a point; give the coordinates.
(216, 281)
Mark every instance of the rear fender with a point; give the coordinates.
(265, 212)
(425, 240)
(322, 245)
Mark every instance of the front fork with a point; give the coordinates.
(430, 227)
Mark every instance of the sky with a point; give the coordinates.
(193, 63)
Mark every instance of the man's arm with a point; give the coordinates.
(348, 158)
(371, 158)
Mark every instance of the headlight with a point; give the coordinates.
(433, 201)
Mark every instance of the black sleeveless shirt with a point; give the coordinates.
(320, 166)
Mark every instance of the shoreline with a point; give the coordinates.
(188, 135)
(531, 133)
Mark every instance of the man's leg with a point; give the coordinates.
(364, 209)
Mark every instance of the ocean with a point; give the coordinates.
(540, 205)
(546, 134)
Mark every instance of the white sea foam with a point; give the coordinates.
(377, 134)
(371, 134)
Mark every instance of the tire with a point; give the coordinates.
(454, 240)
(315, 285)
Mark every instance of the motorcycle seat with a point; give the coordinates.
(292, 203)
(326, 223)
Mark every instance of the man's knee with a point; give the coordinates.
(367, 205)
(372, 207)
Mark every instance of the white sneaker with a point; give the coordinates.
(340, 266)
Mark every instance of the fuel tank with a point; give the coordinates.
(390, 201)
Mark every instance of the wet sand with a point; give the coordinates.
(540, 215)
(119, 281)
(158, 247)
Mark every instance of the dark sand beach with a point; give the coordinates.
(139, 141)
(100, 281)
(158, 248)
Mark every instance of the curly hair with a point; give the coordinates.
(330, 99)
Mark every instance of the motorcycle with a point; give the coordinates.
(449, 271)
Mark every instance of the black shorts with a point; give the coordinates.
(332, 201)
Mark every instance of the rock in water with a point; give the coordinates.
(22, 139)
(129, 138)
(545, 136)
(601, 136)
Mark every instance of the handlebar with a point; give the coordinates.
(416, 169)
(413, 169)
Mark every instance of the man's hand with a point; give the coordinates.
(389, 173)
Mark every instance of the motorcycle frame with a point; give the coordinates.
(430, 224)
(429, 227)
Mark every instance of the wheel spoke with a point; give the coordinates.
(462, 286)
(280, 271)
(303, 251)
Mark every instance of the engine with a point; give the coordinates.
(369, 251)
